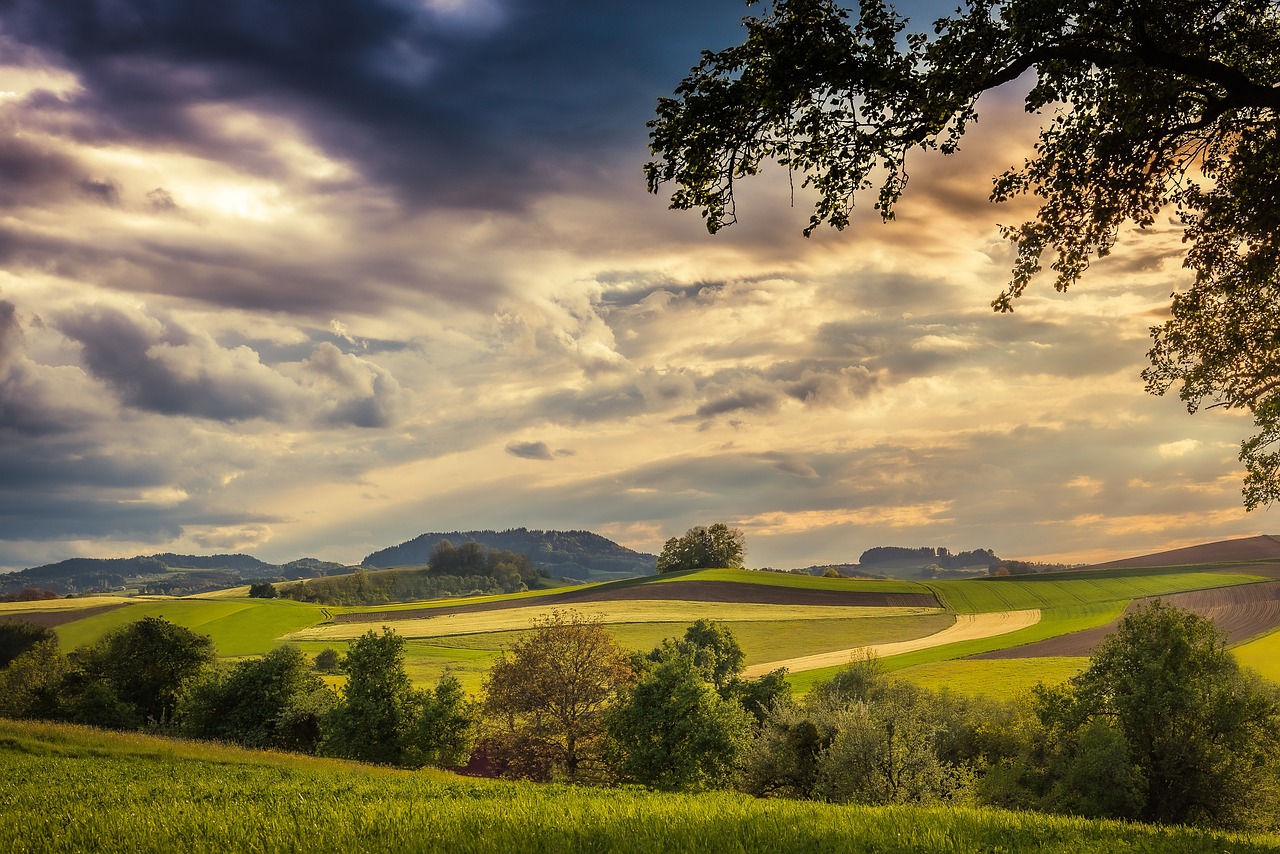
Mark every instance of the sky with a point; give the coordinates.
(310, 279)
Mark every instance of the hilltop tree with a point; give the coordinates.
(545, 699)
(1150, 106)
(711, 547)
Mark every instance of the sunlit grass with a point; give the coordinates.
(1051, 590)
(1002, 679)
(70, 789)
(1262, 654)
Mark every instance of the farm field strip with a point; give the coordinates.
(967, 627)
(969, 597)
(787, 579)
(156, 795)
(644, 611)
(76, 604)
(1001, 679)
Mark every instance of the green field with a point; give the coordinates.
(238, 626)
(1076, 588)
(1262, 654)
(1000, 679)
(154, 795)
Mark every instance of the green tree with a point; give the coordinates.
(714, 546)
(263, 590)
(328, 660)
(447, 722)
(378, 713)
(1200, 733)
(18, 636)
(273, 701)
(145, 666)
(673, 730)
(30, 686)
(1149, 106)
(546, 695)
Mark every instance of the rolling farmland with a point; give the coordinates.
(811, 625)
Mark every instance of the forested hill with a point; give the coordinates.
(160, 573)
(569, 554)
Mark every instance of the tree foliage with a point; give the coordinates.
(275, 701)
(1197, 729)
(138, 672)
(674, 730)
(1148, 107)
(713, 546)
(18, 636)
(376, 717)
(545, 699)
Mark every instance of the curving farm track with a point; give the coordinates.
(966, 627)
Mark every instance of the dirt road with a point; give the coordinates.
(966, 627)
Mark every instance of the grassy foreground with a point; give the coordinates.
(73, 789)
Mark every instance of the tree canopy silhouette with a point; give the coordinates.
(1149, 107)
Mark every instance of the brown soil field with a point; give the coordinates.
(1241, 611)
(1226, 551)
(685, 591)
(50, 619)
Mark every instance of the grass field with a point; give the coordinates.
(786, 579)
(1262, 654)
(152, 795)
(238, 626)
(1000, 679)
(466, 644)
(1076, 588)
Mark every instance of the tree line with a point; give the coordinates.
(1162, 726)
(469, 569)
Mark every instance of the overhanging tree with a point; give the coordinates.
(1150, 106)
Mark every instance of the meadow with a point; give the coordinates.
(160, 795)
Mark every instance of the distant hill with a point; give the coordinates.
(568, 554)
(924, 562)
(161, 573)
(1265, 547)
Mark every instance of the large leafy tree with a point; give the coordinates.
(1166, 707)
(546, 697)
(1149, 106)
(701, 547)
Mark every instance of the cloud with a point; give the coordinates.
(536, 451)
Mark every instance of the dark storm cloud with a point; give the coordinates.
(477, 106)
(161, 366)
(31, 173)
(123, 352)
